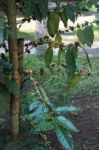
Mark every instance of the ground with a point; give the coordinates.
(87, 120)
(88, 123)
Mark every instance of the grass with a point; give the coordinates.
(55, 83)
(28, 35)
(89, 85)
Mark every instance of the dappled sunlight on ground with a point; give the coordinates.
(80, 20)
(32, 25)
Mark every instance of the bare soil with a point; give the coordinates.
(88, 123)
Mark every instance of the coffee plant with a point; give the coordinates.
(41, 114)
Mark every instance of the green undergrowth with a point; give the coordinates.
(55, 82)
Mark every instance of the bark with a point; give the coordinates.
(20, 58)
(12, 42)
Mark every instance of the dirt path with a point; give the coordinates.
(88, 123)
(93, 51)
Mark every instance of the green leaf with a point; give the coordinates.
(61, 53)
(81, 36)
(58, 38)
(44, 126)
(43, 6)
(88, 31)
(89, 4)
(5, 67)
(36, 8)
(64, 138)
(86, 35)
(39, 113)
(64, 17)
(53, 23)
(74, 80)
(12, 87)
(70, 61)
(34, 105)
(67, 109)
(66, 123)
(36, 13)
(48, 56)
(48, 103)
(70, 13)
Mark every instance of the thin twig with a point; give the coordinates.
(86, 56)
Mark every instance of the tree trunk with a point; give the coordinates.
(20, 58)
(12, 43)
(20, 61)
